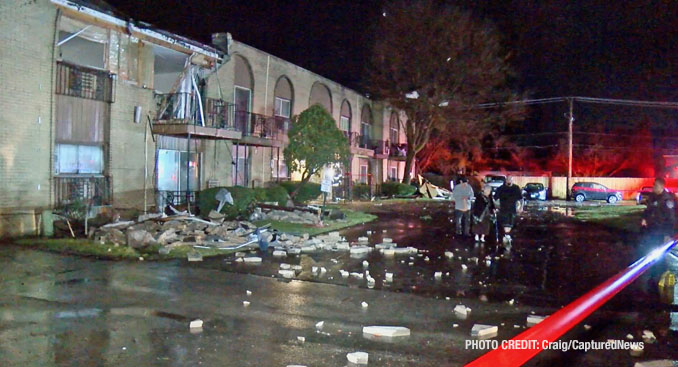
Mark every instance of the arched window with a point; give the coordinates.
(394, 129)
(242, 93)
(365, 126)
(321, 95)
(283, 98)
(345, 117)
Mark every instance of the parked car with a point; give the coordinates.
(594, 191)
(494, 181)
(534, 191)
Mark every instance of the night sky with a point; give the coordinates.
(618, 49)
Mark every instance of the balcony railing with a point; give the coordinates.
(180, 107)
(83, 82)
(176, 198)
(381, 147)
(71, 189)
(398, 150)
(261, 126)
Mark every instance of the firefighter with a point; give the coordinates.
(659, 220)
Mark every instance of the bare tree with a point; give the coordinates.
(436, 62)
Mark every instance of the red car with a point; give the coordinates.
(594, 191)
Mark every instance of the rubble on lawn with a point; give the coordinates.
(296, 216)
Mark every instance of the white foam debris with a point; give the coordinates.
(438, 274)
(252, 260)
(365, 264)
(195, 324)
(246, 303)
(534, 319)
(288, 274)
(461, 311)
(484, 331)
(357, 357)
(455, 325)
(357, 275)
(364, 304)
(464, 267)
(388, 252)
(587, 327)
(360, 250)
(293, 251)
(386, 239)
(648, 337)
(386, 331)
(629, 336)
(285, 266)
(344, 273)
(248, 292)
(388, 277)
(511, 302)
(301, 339)
(449, 255)
(279, 253)
(363, 239)
(319, 325)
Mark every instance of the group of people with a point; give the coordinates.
(478, 211)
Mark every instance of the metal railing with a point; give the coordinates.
(71, 189)
(261, 126)
(83, 82)
(219, 114)
(175, 198)
(381, 147)
(398, 150)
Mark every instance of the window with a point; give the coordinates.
(394, 136)
(283, 107)
(393, 174)
(279, 168)
(363, 174)
(241, 168)
(345, 125)
(79, 159)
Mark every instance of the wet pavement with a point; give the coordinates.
(60, 310)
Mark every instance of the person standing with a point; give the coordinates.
(659, 220)
(462, 195)
(509, 195)
(483, 207)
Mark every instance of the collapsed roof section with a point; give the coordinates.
(105, 16)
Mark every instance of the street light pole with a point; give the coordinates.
(569, 148)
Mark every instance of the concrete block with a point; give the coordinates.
(386, 331)
(534, 319)
(279, 253)
(363, 239)
(388, 277)
(388, 252)
(293, 251)
(484, 331)
(195, 324)
(252, 260)
(287, 274)
(285, 266)
(387, 240)
(462, 311)
(358, 357)
(360, 250)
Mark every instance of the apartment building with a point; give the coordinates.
(114, 113)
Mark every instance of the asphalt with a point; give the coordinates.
(58, 310)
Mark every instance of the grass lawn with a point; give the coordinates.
(108, 251)
(352, 218)
(623, 217)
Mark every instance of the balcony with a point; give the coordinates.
(381, 148)
(359, 144)
(397, 152)
(178, 114)
(83, 82)
(84, 189)
(261, 130)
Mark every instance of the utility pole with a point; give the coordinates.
(569, 149)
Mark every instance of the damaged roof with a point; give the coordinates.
(109, 13)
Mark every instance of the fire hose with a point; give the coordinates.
(554, 326)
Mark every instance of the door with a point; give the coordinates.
(178, 173)
(243, 101)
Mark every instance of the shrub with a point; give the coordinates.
(277, 194)
(397, 189)
(309, 191)
(361, 192)
(243, 200)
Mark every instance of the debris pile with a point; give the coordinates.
(295, 216)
